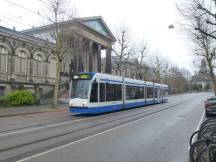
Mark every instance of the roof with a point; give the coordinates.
(95, 23)
(12, 32)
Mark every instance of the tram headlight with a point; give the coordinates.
(71, 103)
(84, 104)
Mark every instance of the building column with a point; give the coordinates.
(99, 58)
(80, 53)
(90, 53)
(12, 65)
(46, 71)
(108, 61)
(31, 69)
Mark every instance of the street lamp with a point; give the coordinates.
(171, 26)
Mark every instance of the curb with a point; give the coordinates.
(36, 112)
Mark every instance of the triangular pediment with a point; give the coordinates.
(98, 25)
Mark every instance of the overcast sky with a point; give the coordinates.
(146, 19)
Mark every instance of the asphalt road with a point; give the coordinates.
(157, 133)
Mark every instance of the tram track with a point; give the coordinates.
(77, 119)
(105, 124)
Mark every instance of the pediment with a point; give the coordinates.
(99, 26)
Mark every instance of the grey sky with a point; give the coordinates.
(147, 20)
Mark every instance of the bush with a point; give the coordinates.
(2, 100)
(18, 98)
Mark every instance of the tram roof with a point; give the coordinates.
(128, 80)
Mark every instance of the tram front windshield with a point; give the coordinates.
(80, 88)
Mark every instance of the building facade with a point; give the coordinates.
(84, 38)
(202, 77)
(27, 60)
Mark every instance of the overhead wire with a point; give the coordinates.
(29, 10)
(10, 19)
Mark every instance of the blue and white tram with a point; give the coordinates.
(93, 93)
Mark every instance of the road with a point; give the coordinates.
(157, 133)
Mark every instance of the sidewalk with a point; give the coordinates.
(22, 110)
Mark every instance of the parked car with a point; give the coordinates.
(210, 106)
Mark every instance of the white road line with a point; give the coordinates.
(198, 127)
(86, 138)
(200, 122)
(41, 127)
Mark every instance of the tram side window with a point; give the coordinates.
(113, 92)
(166, 93)
(140, 92)
(156, 92)
(118, 92)
(94, 92)
(149, 92)
(133, 92)
(102, 92)
(161, 92)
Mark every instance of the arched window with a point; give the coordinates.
(3, 58)
(39, 64)
(52, 68)
(21, 62)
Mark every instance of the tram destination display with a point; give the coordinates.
(82, 76)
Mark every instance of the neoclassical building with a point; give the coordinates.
(85, 38)
(27, 60)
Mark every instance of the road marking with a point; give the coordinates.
(200, 122)
(198, 127)
(41, 127)
(64, 123)
(87, 138)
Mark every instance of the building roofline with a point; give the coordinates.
(23, 35)
(74, 20)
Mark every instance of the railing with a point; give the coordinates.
(204, 147)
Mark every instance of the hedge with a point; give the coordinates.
(17, 98)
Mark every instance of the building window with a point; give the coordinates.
(52, 68)
(21, 62)
(39, 64)
(3, 58)
(2, 90)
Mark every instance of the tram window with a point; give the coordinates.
(141, 92)
(102, 92)
(156, 92)
(149, 92)
(113, 92)
(166, 92)
(94, 92)
(133, 92)
(117, 92)
(161, 92)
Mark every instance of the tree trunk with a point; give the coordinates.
(212, 77)
(56, 87)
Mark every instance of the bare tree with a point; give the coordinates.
(177, 82)
(122, 48)
(140, 56)
(158, 65)
(200, 28)
(58, 13)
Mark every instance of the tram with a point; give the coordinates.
(93, 93)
